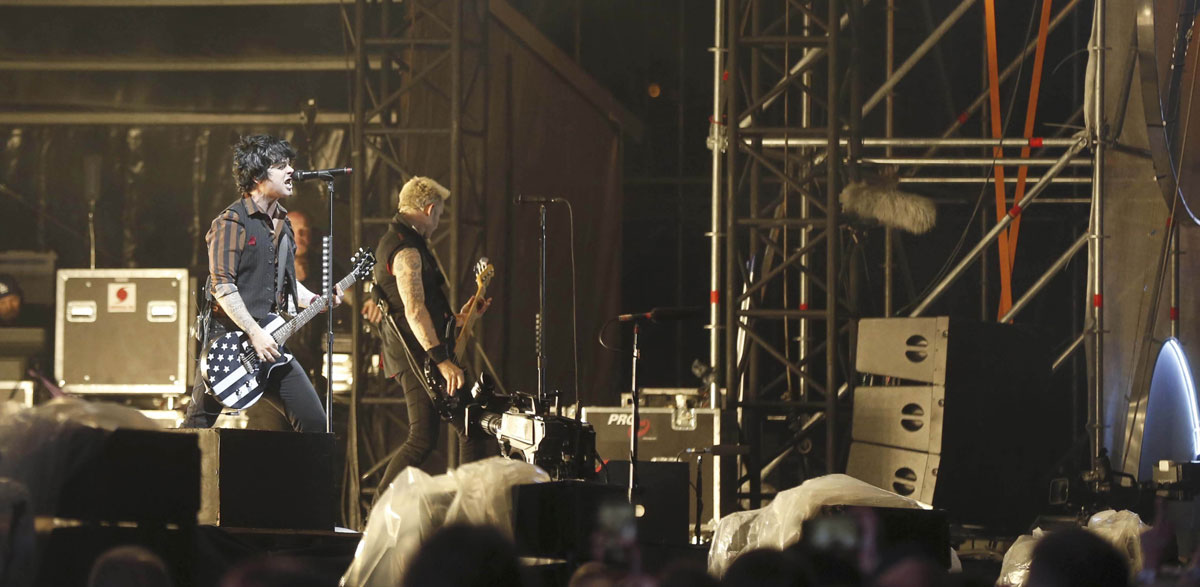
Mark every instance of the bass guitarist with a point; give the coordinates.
(251, 250)
(410, 283)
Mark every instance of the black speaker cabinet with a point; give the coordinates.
(664, 513)
(560, 520)
(970, 425)
(267, 479)
(133, 475)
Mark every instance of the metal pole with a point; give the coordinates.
(635, 421)
(975, 252)
(1045, 278)
(792, 142)
(714, 279)
(981, 179)
(889, 129)
(804, 325)
(972, 161)
(831, 248)
(1096, 412)
(917, 55)
(541, 317)
(1174, 278)
(456, 100)
(727, 474)
(453, 212)
(357, 182)
(1066, 354)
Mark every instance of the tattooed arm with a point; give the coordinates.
(406, 265)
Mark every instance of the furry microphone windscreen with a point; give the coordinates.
(880, 200)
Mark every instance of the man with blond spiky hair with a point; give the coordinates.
(408, 280)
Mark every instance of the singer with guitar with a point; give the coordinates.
(251, 251)
(411, 287)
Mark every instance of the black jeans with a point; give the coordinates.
(287, 390)
(423, 430)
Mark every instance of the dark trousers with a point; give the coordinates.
(423, 431)
(287, 390)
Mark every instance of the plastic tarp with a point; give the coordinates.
(778, 525)
(416, 504)
(39, 450)
(41, 447)
(1123, 529)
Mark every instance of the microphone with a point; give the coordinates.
(879, 199)
(663, 314)
(320, 174)
(536, 200)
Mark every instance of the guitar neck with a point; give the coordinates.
(281, 335)
(468, 324)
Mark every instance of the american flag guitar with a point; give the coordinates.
(234, 372)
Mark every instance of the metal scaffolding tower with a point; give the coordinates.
(786, 135)
(781, 323)
(421, 111)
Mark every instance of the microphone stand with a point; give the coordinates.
(541, 317)
(328, 283)
(635, 422)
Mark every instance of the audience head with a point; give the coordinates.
(466, 556)
(274, 571)
(129, 566)
(766, 567)
(594, 574)
(912, 571)
(685, 573)
(1076, 558)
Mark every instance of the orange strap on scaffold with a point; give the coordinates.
(1035, 87)
(998, 153)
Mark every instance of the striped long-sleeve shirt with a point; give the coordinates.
(228, 237)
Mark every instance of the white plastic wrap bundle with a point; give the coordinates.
(778, 525)
(40, 448)
(416, 504)
(1123, 529)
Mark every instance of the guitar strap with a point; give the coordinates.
(413, 363)
(281, 274)
(203, 322)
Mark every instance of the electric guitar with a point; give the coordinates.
(232, 368)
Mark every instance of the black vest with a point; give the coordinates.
(258, 263)
(401, 236)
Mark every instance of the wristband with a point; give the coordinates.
(438, 353)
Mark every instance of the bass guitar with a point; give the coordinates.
(233, 370)
(446, 405)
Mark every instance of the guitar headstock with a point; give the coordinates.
(483, 273)
(363, 262)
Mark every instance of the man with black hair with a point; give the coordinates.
(251, 251)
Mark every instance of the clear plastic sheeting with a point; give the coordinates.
(778, 525)
(1014, 571)
(41, 447)
(416, 504)
(1123, 529)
